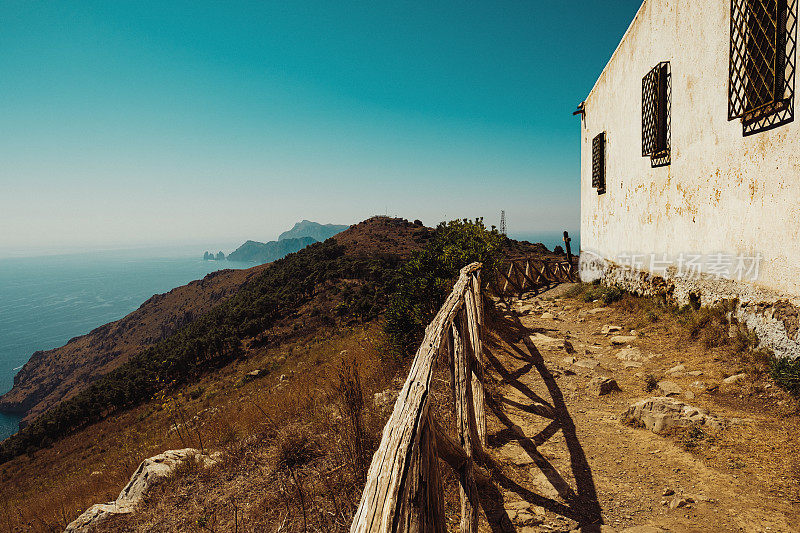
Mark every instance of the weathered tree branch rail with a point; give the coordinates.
(520, 274)
(403, 490)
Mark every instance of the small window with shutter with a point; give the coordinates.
(599, 163)
(656, 130)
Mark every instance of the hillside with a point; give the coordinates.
(53, 375)
(315, 230)
(266, 252)
(281, 373)
(173, 337)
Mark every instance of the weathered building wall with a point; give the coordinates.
(722, 192)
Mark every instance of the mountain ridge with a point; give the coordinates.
(266, 252)
(315, 230)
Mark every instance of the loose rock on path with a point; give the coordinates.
(570, 454)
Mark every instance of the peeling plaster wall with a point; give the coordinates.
(722, 192)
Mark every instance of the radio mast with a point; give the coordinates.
(502, 222)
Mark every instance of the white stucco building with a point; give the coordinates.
(690, 160)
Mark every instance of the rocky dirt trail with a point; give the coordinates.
(564, 372)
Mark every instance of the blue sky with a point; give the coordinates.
(152, 123)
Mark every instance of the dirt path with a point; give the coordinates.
(565, 461)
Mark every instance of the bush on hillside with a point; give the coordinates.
(427, 278)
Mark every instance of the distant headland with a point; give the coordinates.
(301, 235)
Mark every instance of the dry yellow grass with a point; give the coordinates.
(245, 420)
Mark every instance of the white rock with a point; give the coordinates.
(668, 388)
(149, 473)
(539, 338)
(587, 363)
(617, 340)
(547, 315)
(631, 354)
(610, 329)
(543, 486)
(734, 378)
(676, 369)
(597, 310)
(660, 413)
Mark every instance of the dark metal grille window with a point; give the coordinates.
(762, 63)
(599, 163)
(656, 97)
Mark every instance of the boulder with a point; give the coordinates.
(660, 413)
(94, 515)
(631, 354)
(618, 340)
(610, 329)
(598, 310)
(587, 363)
(548, 315)
(539, 338)
(679, 501)
(525, 309)
(602, 385)
(149, 473)
(668, 388)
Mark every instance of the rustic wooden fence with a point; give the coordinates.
(403, 492)
(516, 275)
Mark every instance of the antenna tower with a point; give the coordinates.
(502, 222)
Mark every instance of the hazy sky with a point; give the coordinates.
(132, 123)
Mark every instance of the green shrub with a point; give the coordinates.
(427, 278)
(606, 293)
(786, 373)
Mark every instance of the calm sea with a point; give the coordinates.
(551, 239)
(45, 301)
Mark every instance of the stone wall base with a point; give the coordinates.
(772, 316)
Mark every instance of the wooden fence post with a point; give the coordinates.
(476, 366)
(567, 247)
(403, 490)
(426, 513)
(466, 429)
